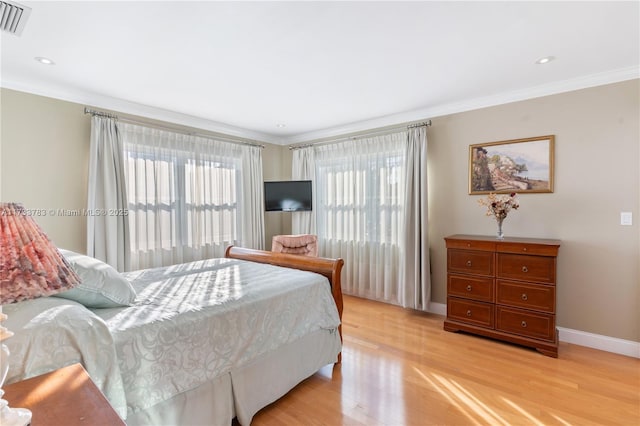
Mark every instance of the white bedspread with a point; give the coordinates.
(190, 323)
(51, 333)
(194, 322)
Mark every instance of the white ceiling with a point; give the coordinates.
(322, 68)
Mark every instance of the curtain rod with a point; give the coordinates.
(99, 113)
(380, 131)
(184, 132)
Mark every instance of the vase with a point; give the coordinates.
(500, 234)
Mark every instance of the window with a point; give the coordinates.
(361, 200)
(183, 194)
(360, 192)
(370, 209)
(211, 202)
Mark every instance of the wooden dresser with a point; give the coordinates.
(504, 289)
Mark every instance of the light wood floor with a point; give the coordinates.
(399, 367)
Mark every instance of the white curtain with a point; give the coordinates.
(303, 168)
(190, 197)
(360, 209)
(370, 209)
(415, 265)
(252, 206)
(107, 221)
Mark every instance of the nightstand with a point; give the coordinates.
(63, 397)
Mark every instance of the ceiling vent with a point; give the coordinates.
(13, 17)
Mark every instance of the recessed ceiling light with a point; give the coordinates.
(44, 60)
(545, 60)
(280, 125)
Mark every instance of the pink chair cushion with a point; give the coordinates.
(304, 244)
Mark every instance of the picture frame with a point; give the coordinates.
(519, 165)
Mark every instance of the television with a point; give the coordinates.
(287, 196)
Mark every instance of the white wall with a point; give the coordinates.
(44, 163)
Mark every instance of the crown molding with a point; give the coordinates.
(126, 107)
(98, 101)
(569, 85)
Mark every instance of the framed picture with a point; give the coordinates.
(519, 165)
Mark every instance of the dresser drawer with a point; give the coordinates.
(529, 268)
(526, 323)
(470, 287)
(471, 312)
(537, 297)
(470, 261)
(523, 248)
(463, 244)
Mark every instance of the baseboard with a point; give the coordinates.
(577, 337)
(438, 308)
(598, 341)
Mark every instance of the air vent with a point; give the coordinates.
(13, 17)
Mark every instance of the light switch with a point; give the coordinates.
(626, 218)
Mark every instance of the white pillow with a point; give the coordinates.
(102, 286)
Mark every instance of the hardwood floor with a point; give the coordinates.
(399, 367)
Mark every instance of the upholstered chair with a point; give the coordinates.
(303, 244)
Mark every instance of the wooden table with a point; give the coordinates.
(63, 397)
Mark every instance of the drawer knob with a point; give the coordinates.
(525, 269)
(524, 249)
(468, 244)
(468, 263)
(524, 296)
(469, 287)
(469, 313)
(523, 324)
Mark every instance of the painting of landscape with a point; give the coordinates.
(520, 165)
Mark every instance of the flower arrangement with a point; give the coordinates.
(499, 206)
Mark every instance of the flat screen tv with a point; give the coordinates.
(287, 196)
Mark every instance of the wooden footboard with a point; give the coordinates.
(330, 268)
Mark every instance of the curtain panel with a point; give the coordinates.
(303, 168)
(415, 273)
(370, 209)
(189, 197)
(252, 206)
(107, 221)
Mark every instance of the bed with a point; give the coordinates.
(192, 344)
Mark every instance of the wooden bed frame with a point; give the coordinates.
(330, 268)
